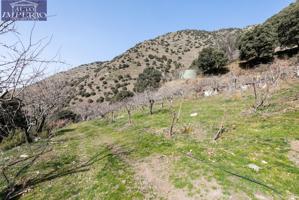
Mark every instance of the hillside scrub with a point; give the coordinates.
(288, 29)
(257, 44)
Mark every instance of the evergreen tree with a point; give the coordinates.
(150, 78)
(210, 61)
(288, 30)
(257, 44)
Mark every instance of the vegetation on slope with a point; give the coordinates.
(95, 159)
(282, 30)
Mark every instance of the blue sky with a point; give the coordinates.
(98, 30)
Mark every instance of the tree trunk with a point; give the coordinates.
(112, 117)
(174, 120)
(151, 106)
(129, 115)
(41, 124)
(27, 136)
(254, 91)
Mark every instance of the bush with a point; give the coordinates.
(150, 78)
(151, 56)
(12, 141)
(90, 101)
(12, 117)
(66, 115)
(257, 44)
(100, 100)
(123, 95)
(211, 61)
(288, 30)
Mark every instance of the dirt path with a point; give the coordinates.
(294, 152)
(154, 173)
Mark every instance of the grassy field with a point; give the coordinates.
(103, 160)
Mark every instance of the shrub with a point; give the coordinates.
(151, 56)
(257, 44)
(100, 100)
(11, 117)
(123, 95)
(150, 78)
(66, 115)
(288, 30)
(90, 101)
(211, 61)
(12, 141)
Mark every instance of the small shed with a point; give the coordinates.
(188, 74)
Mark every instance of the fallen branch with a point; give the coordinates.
(219, 133)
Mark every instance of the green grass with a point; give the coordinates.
(249, 138)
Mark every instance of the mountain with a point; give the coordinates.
(170, 53)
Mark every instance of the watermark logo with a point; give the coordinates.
(24, 10)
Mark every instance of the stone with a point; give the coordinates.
(254, 167)
(193, 114)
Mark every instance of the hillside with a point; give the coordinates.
(255, 158)
(170, 53)
(133, 129)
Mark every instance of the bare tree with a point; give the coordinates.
(263, 85)
(21, 64)
(43, 99)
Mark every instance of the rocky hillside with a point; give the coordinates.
(169, 53)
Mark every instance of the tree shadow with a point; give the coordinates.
(15, 191)
(217, 72)
(287, 53)
(63, 131)
(253, 63)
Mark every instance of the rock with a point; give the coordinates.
(208, 93)
(24, 156)
(254, 167)
(244, 87)
(190, 153)
(193, 114)
(264, 162)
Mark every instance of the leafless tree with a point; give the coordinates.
(21, 65)
(263, 85)
(129, 104)
(43, 99)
